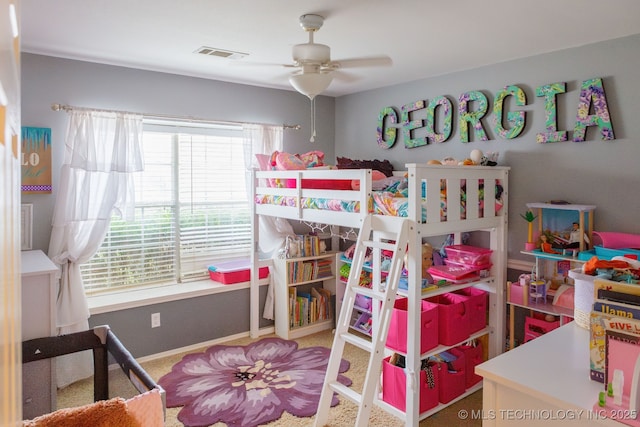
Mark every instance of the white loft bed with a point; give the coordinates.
(466, 210)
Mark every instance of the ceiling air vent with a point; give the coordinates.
(220, 53)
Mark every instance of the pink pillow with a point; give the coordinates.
(289, 162)
(312, 158)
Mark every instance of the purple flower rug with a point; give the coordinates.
(249, 386)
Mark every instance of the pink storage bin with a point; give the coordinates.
(473, 356)
(397, 337)
(533, 327)
(476, 305)
(453, 318)
(452, 384)
(394, 387)
(475, 268)
(468, 255)
(518, 294)
(234, 271)
(453, 273)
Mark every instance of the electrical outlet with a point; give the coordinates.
(155, 320)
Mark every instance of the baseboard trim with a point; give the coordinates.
(193, 347)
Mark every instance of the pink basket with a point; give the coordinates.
(533, 327)
(473, 356)
(452, 384)
(394, 387)
(453, 318)
(476, 301)
(397, 337)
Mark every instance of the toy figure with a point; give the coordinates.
(574, 236)
(545, 246)
(427, 260)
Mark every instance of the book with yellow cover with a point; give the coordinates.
(609, 285)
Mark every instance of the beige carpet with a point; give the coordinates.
(343, 414)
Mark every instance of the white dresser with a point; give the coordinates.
(543, 383)
(39, 291)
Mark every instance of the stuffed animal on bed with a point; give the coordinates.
(476, 157)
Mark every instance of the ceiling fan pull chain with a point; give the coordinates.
(313, 120)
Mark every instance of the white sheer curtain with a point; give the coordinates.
(265, 139)
(102, 150)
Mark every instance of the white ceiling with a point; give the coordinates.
(424, 38)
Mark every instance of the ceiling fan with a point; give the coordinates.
(315, 69)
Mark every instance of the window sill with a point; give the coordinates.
(106, 303)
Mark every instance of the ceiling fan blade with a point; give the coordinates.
(345, 77)
(372, 61)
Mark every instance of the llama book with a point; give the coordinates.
(616, 308)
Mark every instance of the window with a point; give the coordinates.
(191, 210)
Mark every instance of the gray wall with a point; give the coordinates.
(602, 173)
(183, 323)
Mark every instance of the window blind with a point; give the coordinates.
(191, 211)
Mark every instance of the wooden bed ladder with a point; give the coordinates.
(378, 233)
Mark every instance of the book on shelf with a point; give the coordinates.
(623, 324)
(604, 294)
(304, 301)
(306, 308)
(321, 304)
(616, 308)
(305, 271)
(292, 306)
(621, 287)
(306, 245)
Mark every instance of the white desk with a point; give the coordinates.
(544, 382)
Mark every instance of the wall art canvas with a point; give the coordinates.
(36, 160)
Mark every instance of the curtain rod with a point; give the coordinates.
(68, 108)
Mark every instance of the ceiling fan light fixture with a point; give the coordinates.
(310, 84)
(312, 52)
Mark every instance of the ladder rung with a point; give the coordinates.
(379, 245)
(358, 341)
(347, 392)
(368, 292)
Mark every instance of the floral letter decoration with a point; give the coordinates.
(409, 125)
(472, 117)
(593, 92)
(445, 105)
(551, 112)
(387, 135)
(515, 118)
